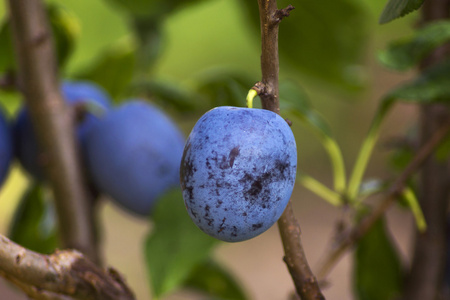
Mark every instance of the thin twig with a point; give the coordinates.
(304, 280)
(62, 275)
(51, 119)
(394, 191)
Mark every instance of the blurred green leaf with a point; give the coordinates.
(65, 29)
(150, 39)
(323, 39)
(377, 267)
(295, 101)
(175, 246)
(411, 200)
(7, 60)
(405, 54)
(367, 147)
(224, 87)
(398, 8)
(167, 94)
(113, 70)
(34, 222)
(214, 280)
(151, 8)
(432, 85)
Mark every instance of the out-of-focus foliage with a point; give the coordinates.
(216, 281)
(432, 85)
(406, 53)
(323, 39)
(114, 69)
(378, 271)
(175, 246)
(34, 222)
(398, 8)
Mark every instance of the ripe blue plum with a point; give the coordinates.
(238, 171)
(26, 146)
(5, 147)
(133, 155)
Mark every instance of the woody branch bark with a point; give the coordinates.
(62, 275)
(305, 283)
(52, 122)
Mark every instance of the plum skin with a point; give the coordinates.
(5, 147)
(238, 171)
(26, 147)
(133, 155)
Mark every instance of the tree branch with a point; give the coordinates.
(427, 269)
(304, 280)
(355, 234)
(62, 275)
(53, 125)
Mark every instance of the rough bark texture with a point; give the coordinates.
(304, 280)
(53, 123)
(62, 275)
(427, 269)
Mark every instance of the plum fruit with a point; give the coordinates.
(26, 146)
(5, 147)
(133, 155)
(238, 171)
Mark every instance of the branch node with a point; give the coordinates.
(260, 88)
(280, 14)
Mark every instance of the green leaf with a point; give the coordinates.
(114, 68)
(319, 189)
(216, 281)
(377, 267)
(224, 87)
(150, 8)
(7, 58)
(323, 39)
(367, 148)
(175, 246)
(411, 200)
(405, 54)
(34, 222)
(432, 85)
(399, 8)
(295, 101)
(65, 28)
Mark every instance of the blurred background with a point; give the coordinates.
(198, 47)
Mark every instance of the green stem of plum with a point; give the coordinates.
(250, 96)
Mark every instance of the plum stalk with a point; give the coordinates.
(304, 280)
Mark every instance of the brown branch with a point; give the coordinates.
(305, 283)
(430, 248)
(355, 234)
(62, 275)
(53, 125)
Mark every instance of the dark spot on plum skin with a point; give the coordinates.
(233, 154)
(256, 226)
(221, 227)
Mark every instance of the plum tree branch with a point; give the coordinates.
(355, 234)
(304, 280)
(62, 275)
(430, 248)
(53, 124)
